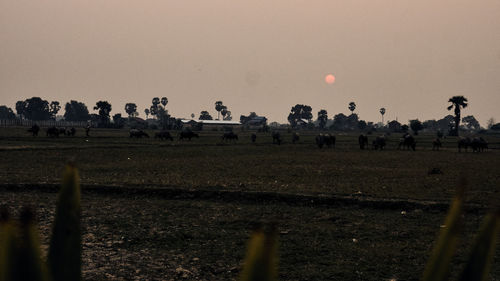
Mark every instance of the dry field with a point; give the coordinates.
(156, 210)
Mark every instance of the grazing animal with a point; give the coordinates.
(325, 139)
(363, 141)
(407, 141)
(463, 142)
(164, 135)
(52, 132)
(34, 130)
(229, 136)
(253, 137)
(295, 137)
(276, 137)
(436, 144)
(379, 143)
(135, 133)
(71, 132)
(187, 135)
(479, 144)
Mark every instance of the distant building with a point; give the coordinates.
(211, 124)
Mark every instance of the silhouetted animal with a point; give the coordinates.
(164, 135)
(463, 142)
(52, 132)
(253, 137)
(276, 137)
(229, 136)
(379, 143)
(407, 141)
(295, 137)
(479, 144)
(187, 135)
(71, 132)
(135, 133)
(363, 141)
(34, 130)
(325, 139)
(436, 144)
(87, 131)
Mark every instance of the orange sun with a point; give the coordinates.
(330, 79)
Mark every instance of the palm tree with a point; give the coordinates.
(146, 111)
(352, 107)
(458, 102)
(218, 107)
(322, 118)
(164, 101)
(382, 111)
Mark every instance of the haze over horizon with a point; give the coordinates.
(264, 56)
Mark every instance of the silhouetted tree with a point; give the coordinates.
(223, 112)
(204, 115)
(416, 126)
(20, 107)
(382, 112)
(35, 108)
(54, 108)
(299, 111)
(146, 111)
(131, 109)
(118, 121)
(447, 124)
(471, 123)
(490, 123)
(192, 115)
(352, 106)
(394, 126)
(6, 113)
(104, 108)
(164, 101)
(76, 111)
(322, 118)
(362, 124)
(457, 102)
(218, 107)
(404, 128)
(154, 107)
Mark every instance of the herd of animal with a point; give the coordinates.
(407, 141)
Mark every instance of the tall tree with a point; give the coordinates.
(352, 106)
(382, 112)
(35, 108)
(104, 109)
(76, 111)
(471, 123)
(218, 107)
(416, 126)
(54, 108)
(457, 102)
(204, 115)
(146, 111)
(299, 111)
(20, 107)
(154, 107)
(131, 109)
(164, 101)
(6, 113)
(322, 118)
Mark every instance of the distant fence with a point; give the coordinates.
(44, 123)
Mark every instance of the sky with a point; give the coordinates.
(407, 56)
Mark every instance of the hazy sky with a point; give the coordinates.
(265, 56)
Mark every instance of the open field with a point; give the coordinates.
(152, 207)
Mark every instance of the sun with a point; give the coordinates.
(329, 79)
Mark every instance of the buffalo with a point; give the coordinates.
(229, 136)
(253, 137)
(325, 139)
(34, 130)
(463, 142)
(436, 144)
(71, 132)
(187, 135)
(379, 143)
(52, 132)
(276, 137)
(363, 141)
(164, 135)
(479, 144)
(407, 141)
(135, 133)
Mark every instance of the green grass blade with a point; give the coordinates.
(65, 244)
(438, 265)
(261, 261)
(481, 256)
